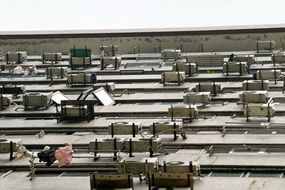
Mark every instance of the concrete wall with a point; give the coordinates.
(146, 44)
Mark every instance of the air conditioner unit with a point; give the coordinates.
(253, 96)
(81, 78)
(110, 181)
(137, 165)
(206, 60)
(197, 97)
(214, 88)
(79, 58)
(110, 50)
(170, 54)
(106, 144)
(16, 56)
(37, 100)
(5, 145)
(181, 167)
(110, 87)
(115, 62)
(142, 144)
(5, 101)
(268, 74)
(53, 57)
(244, 58)
(259, 110)
(125, 128)
(188, 68)
(74, 111)
(59, 72)
(265, 46)
(278, 58)
(165, 127)
(183, 111)
(80, 61)
(234, 67)
(171, 180)
(173, 77)
(255, 85)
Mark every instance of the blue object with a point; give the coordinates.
(93, 78)
(231, 57)
(254, 76)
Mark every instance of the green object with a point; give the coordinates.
(209, 71)
(80, 52)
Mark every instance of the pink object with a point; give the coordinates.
(64, 155)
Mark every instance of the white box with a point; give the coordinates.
(253, 96)
(268, 74)
(170, 54)
(185, 67)
(197, 97)
(173, 77)
(37, 99)
(255, 85)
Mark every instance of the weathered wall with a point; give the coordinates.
(189, 43)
